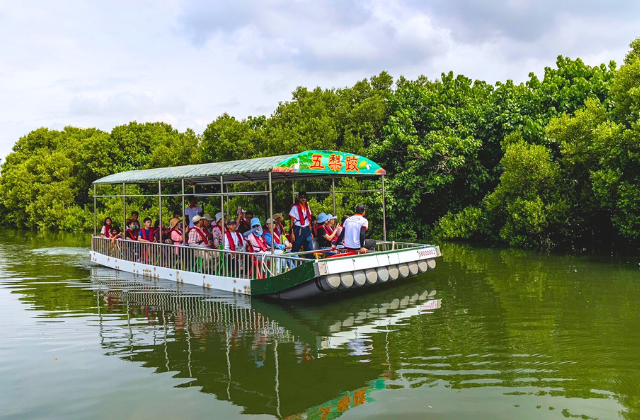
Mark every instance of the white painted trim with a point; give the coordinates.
(364, 262)
(228, 284)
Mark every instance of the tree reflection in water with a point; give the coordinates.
(553, 331)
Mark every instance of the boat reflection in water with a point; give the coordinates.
(315, 360)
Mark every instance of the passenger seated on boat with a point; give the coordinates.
(207, 228)
(105, 232)
(216, 231)
(277, 225)
(134, 218)
(256, 238)
(176, 237)
(147, 232)
(132, 231)
(175, 230)
(325, 234)
(243, 222)
(280, 242)
(197, 236)
(355, 229)
(314, 225)
(115, 234)
(165, 233)
(233, 239)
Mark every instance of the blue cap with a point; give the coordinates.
(322, 218)
(255, 221)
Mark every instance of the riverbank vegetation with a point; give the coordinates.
(552, 162)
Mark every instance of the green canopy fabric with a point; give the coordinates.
(309, 164)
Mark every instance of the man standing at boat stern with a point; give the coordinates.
(355, 229)
(301, 225)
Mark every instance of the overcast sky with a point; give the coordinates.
(105, 63)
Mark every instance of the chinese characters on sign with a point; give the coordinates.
(351, 164)
(317, 162)
(335, 163)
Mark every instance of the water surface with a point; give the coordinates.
(489, 334)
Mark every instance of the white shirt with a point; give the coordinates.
(235, 237)
(352, 231)
(294, 213)
(192, 212)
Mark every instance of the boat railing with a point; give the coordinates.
(218, 262)
(215, 262)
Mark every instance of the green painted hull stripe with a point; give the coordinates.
(284, 281)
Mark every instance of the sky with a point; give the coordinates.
(106, 63)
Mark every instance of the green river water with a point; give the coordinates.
(488, 334)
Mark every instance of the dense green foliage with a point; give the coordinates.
(550, 162)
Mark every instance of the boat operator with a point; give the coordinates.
(301, 225)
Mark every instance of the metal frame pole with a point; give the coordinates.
(222, 208)
(95, 210)
(124, 207)
(228, 205)
(160, 209)
(184, 236)
(271, 215)
(333, 194)
(293, 197)
(384, 213)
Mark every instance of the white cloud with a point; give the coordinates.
(187, 61)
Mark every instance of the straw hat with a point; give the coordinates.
(278, 217)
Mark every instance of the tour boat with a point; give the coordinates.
(270, 273)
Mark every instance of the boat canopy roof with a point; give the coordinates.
(305, 165)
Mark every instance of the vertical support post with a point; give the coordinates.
(124, 207)
(160, 209)
(95, 210)
(228, 204)
(222, 207)
(273, 240)
(293, 191)
(384, 213)
(184, 236)
(333, 194)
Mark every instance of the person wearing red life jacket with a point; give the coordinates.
(300, 215)
(176, 238)
(278, 243)
(132, 231)
(216, 230)
(105, 232)
(256, 238)
(208, 226)
(325, 234)
(277, 225)
(134, 218)
(197, 235)
(131, 234)
(233, 239)
(146, 234)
